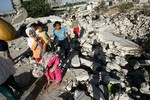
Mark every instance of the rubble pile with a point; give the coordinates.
(113, 48)
(110, 61)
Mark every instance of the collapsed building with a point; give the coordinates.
(110, 62)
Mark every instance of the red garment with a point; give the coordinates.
(38, 59)
(76, 31)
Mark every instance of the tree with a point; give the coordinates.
(37, 8)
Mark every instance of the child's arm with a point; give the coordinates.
(56, 61)
(49, 42)
(72, 24)
(68, 36)
(33, 47)
(44, 47)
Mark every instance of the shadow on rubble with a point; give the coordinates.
(26, 80)
(82, 31)
(37, 88)
(67, 96)
(136, 76)
(99, 79)
(75, 46)
(21, 31)
(26, 54)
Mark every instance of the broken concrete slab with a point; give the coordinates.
(81, 74)
(75, 61)
(95, 92)
(80, 95)
(145, 88)
(93, 65)
(113, 66)
(69, 85)
(121, 60)
(125, 46)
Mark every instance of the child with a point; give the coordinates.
(34, 26)
(63, 37)
(40, 32)
(51, 61)
(75, 26)
(37, 45)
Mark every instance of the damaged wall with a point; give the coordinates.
(17, 17)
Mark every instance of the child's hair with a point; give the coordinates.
(57, 22)
(33, 25)
(40, 25)
(73, 17)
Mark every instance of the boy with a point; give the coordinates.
(75, 26)
(63, 37)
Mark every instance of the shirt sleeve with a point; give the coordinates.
(64, 29)
(45, 37)
(55, 60)
(78, 23)
(54, 33)
(34, 45)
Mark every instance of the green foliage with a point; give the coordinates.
(145, 11)
(125, 6)
(37, 8)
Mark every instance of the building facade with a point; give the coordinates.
(55, 3)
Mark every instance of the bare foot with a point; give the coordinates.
(48, 84)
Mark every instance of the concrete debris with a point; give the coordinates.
(124, 97)
(120, 61)
(91, 64)
(80, 95)
(70, 85)
(145, 88)
(95, 92)
(113, 66)
(84, 76)
(81, 74)
(110, 60)
(75, 62)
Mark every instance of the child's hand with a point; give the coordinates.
(50, 44)
(52, 69)
(35, 39)
(44, 51)
(69, 40)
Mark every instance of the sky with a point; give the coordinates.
(6, 5)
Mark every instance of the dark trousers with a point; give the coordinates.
(64, 45)
(7, 91)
